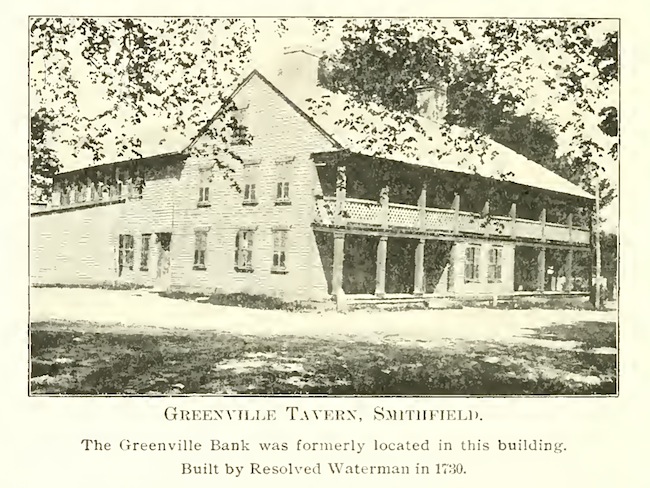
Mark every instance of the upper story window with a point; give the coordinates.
(495, 260)
(249, 193)
(250, 184)
(282, 195)
(472, 264)
(204, 188)
(240, 133)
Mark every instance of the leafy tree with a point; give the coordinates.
(142, 70)
(493, 68)
(179, 70)
(609, 250)
(44, 160)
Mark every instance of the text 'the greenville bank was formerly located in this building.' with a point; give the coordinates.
(310, 212)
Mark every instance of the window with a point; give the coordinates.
(249, 194)
(144, 252)
(282, 186)
(244, 251)
(283, 192)
(240, 134)
(494, 265)
(471, 264)
(279, 251)
(249, 180)
(125, 254)
(204, 189)
(204, 196)
(200, 247)
(138, 185)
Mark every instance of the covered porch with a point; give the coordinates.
(381, 250)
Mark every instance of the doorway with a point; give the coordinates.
(163, 267)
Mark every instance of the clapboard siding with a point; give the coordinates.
(80, 246)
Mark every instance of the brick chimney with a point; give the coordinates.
(432, 100)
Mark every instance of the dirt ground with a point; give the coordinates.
(91, 341)
(135, 309)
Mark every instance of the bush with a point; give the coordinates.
(245, 300)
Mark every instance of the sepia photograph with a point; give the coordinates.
(323, 206)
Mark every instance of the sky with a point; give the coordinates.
(272, 41)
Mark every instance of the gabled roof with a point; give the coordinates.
(276, 90)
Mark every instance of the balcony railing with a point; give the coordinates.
(368, 214)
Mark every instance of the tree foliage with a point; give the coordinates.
(44, 160)
(141, 70)
(178, 70)
(492, 69)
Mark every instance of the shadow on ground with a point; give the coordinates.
(76, 358)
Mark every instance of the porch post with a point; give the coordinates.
(542, 220)
(484, 214)
(380, 279)
(341, 195)
(337, 267)
(422, 207)
(541, 269)
(384, 209)
(456, 208)
(418, 285)
(513, 220)
(568, 286)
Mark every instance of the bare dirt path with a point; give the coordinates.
(138, 309)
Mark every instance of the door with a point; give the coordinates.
(163, 275)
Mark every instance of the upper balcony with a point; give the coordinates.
(360, 215)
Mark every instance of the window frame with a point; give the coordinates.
(250, 195)
(475, 275)
(204, 189)
(283, 184)
(126, 255)
(244, 253)
(239, 131)
(495, 265)
(145, 252)
(200, 249)
(279, 262)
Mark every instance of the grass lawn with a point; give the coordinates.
(81, 358)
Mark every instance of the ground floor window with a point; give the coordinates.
(472, 264)
(244, 250)
(144, 252)
(125, 254)
(495, 261)
(200, 247)
(279, 251)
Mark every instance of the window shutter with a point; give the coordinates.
(237, 238)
